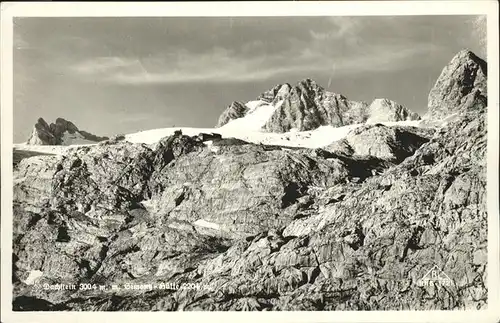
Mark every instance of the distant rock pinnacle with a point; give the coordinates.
(59, 133)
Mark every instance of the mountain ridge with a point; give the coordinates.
(307, 106)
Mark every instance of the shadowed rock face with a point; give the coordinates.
(42, 135)
(354, 226)
(463, 79)
(53, 134)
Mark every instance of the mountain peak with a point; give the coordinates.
(385, 110)
(309, 85)
(383, 101)
(463, 77)
(466, 54)
(41, 121)
(308, 82)
(62, 132)
(307, 106)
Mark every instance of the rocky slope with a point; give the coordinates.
(234, 111)
(463, 79)
(307, 106)
(353, 226)
(387, 143)
(62, 132)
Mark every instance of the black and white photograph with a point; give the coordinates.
(249, 163)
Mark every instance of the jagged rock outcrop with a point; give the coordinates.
(62, 132)
(463, 79)
(41, 134)
(253, 227)
(234, 111)
(183, 179)
(383, 110)
(367, 243)
(32, 180)
(307, 106)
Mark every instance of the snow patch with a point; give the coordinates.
(252, 105)
(206, 224)
(33, 276)
(254, 120)
(247, 128)
(317, 138)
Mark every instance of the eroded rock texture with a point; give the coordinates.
(463, 79)
(307, 106)
(354, 226)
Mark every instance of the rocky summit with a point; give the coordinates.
(307, 106)
(463, 79)
(212, 223)
(62, 132)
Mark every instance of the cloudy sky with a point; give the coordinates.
(121, 75)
